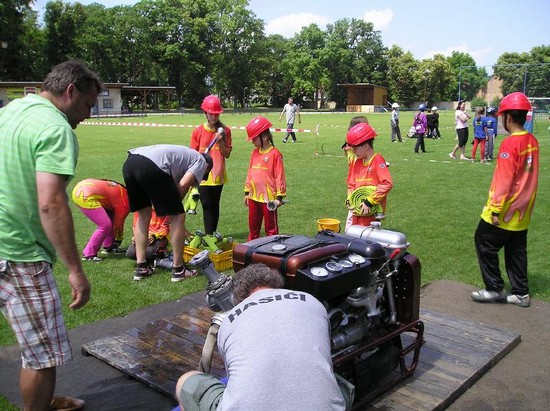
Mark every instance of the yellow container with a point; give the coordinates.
(222, 261)
(328, 224)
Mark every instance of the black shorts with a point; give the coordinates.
(462, 134)
(148, 185)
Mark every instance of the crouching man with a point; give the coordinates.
(275, 344)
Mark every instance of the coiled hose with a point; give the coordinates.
(358, 196)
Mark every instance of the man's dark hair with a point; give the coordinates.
(71, 72)
(252, 277)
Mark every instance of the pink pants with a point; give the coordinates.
(103, 235)
(258, 212)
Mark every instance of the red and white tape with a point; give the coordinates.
(135, 124)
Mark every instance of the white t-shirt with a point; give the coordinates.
(276, 348)
(459, 116)
(290, 110)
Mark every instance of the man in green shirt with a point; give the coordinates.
(38, 155)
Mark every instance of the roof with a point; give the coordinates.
(152, 88)
(39, 83)
(361, 85)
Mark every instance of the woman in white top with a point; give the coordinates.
(461, 121)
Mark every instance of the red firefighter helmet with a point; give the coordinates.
(212, 105)
(360, 133)
(514, 101)
(257, 126)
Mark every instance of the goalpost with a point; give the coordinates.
(540, 116)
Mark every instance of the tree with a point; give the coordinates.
(18, 40)
(402, 67)
(32, 42)
(338, 59)
(512, 70)
(117, 42)
(302, 67)
(63, 21)
(436, 74)
(525, 72)
(354, 53)
(539, 73)
(468, 77)
(269, 84)
(180, 44)
(94, 41)
(133, 48)
(236, 46)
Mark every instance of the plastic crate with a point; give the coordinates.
(222, 261)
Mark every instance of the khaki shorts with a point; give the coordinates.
(201, 392)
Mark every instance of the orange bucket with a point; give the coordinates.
(328, 224)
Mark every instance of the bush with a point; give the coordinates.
(478, 102)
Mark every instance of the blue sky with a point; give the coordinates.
(484, 29)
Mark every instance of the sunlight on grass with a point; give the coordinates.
(435, 201)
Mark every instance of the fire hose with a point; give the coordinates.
(219, 296)
(205, 362)
(357, 198)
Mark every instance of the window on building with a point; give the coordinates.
(107, 103)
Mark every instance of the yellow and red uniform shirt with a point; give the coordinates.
(112, 196)
(514, 187)
(373, 172)
(158, 226)
(201, 137)
(266, 179)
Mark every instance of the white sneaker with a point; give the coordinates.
(484, 296)
(521, 300)
(93, 259)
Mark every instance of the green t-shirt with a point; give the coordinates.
(34, 136)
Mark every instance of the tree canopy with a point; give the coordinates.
(219, 46)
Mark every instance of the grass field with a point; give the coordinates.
(435, 201)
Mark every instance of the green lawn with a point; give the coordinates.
(435, 201)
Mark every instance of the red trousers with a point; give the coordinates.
(362, 220)
(478, 141)
(258, 212)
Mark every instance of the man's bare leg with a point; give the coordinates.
(37, 388)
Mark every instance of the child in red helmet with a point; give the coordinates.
(350, 156)
(367, 170)
(213, 130)
(265, 180)
(507, 213)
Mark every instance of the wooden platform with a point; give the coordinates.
(456, 354)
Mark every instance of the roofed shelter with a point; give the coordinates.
(363, 97)
(115, 99)
(137, 95)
